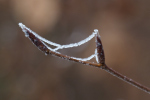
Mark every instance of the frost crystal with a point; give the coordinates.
(96, 56)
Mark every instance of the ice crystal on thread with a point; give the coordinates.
(58, 46)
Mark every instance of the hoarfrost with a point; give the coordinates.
(58, 46)
(96, 57)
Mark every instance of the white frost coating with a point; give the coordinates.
(26, 34)
(96, 30)
(58, 46)
(96, 56)
(84, 59)
(38, 36)
(78, 43)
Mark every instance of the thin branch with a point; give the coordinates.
(126, 79)
(100, 57)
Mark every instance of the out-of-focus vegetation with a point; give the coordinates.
(27, 74)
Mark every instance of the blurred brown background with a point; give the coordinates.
(27, 74)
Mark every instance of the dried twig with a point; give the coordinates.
(99, 56)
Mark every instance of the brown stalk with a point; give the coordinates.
(101, 58)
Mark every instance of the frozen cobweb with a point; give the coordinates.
(58, 46)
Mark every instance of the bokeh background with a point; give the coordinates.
(27, 74)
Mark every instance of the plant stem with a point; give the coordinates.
(43, 47)
(125, 79)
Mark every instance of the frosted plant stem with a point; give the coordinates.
(99, 54)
